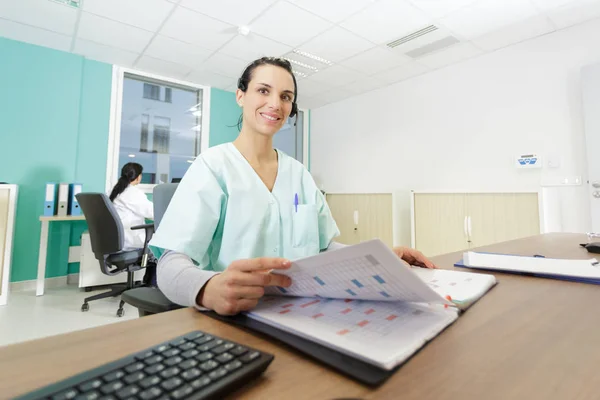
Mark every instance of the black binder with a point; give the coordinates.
(354, 368)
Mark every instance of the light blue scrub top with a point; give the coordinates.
(222, 212)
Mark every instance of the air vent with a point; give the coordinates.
(412, 36)
(70, 3)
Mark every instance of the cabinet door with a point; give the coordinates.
(440, 224)
(498, 217)
(374, 217)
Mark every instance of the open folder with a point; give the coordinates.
(361, 309)
(587, 271)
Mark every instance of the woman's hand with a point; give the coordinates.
(242, 284)
(413, 257)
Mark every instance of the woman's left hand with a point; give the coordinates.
(414, 257)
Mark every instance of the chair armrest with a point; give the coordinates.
(144, 226)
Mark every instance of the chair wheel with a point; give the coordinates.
(120, 312)
(85, 307)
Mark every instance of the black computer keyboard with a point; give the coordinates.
(192, 366)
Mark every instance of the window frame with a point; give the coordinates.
(114, 131)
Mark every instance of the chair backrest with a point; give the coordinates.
(161, 197)
(104, 224)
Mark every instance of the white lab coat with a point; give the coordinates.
(133, 208)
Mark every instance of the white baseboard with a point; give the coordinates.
(59, 281)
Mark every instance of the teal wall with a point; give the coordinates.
(55, 117)
(224, 114)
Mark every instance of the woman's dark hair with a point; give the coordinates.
(246, 77)
(129, 173)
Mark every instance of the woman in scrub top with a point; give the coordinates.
(245, 208)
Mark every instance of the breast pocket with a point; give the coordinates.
(305, 227)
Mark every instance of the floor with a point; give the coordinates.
(28, 317)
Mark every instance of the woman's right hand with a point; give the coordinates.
(242, 284)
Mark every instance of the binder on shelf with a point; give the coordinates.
(63, 199)
(50, 199)
(74, 189)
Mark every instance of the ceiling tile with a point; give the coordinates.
(163, 68)
(107, 54)
(210, 79)
(234, 12)
(309, 88)
(549, 4)
(451, 55)
(254, 46)
(387, 20)
(336, 76)
(192, 27)
(515, 33)
(365, 84)
(165, 48)
(289, 24)
(311, 103)
(376, 60)
(128, 12)
(28, 34)
(334, 95)
(336, 44)
(440, 8)
(401, 73)
(47, 15)
(332, 10)
(574, 14)
(488, 15)
(112, 33)
(225, 65)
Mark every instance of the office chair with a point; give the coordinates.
(150, 300)
(106, 237)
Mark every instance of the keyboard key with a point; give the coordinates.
(93, 395)
(162, 347)
(112, 387)
(150, 394)
(188, 364)
(154, 369)
(204, 356)
(232, 366)
(200, 382)
(219, 349)
(127, 392)
(173, 361)
(169, 372)
(178, 342)
(191, 374)
(238, 350)
(66, 395)
(209, 345)
(150, 381)
(203, 339)
(190, 353)
(187, 346)
(144, 355)
(209, 365)
(89, 385)
(250, 357)
(218, 374)
(171, 352)
(171, 384)
(224, 358)
(138, 366)
(194, 335)
(114, 376)
(182, 392)
(133, 378)
(153, 359)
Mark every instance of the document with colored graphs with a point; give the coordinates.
(364, 301)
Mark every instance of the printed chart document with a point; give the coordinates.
(362, 300)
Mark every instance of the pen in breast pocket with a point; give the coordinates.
(296, 202)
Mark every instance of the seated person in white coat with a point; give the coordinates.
(131, 204)
(245, 208)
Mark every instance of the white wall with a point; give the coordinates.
(459, 128)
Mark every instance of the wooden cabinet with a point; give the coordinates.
(362, 217)
(447, 222)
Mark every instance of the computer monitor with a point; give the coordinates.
(175, 180)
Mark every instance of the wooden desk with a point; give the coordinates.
(528, 338)
(41, 271)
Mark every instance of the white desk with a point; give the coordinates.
(41, 273)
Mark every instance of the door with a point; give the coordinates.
(290, 138)
(440, 223)
(498, 217)
(362, 217)
(590, 80)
